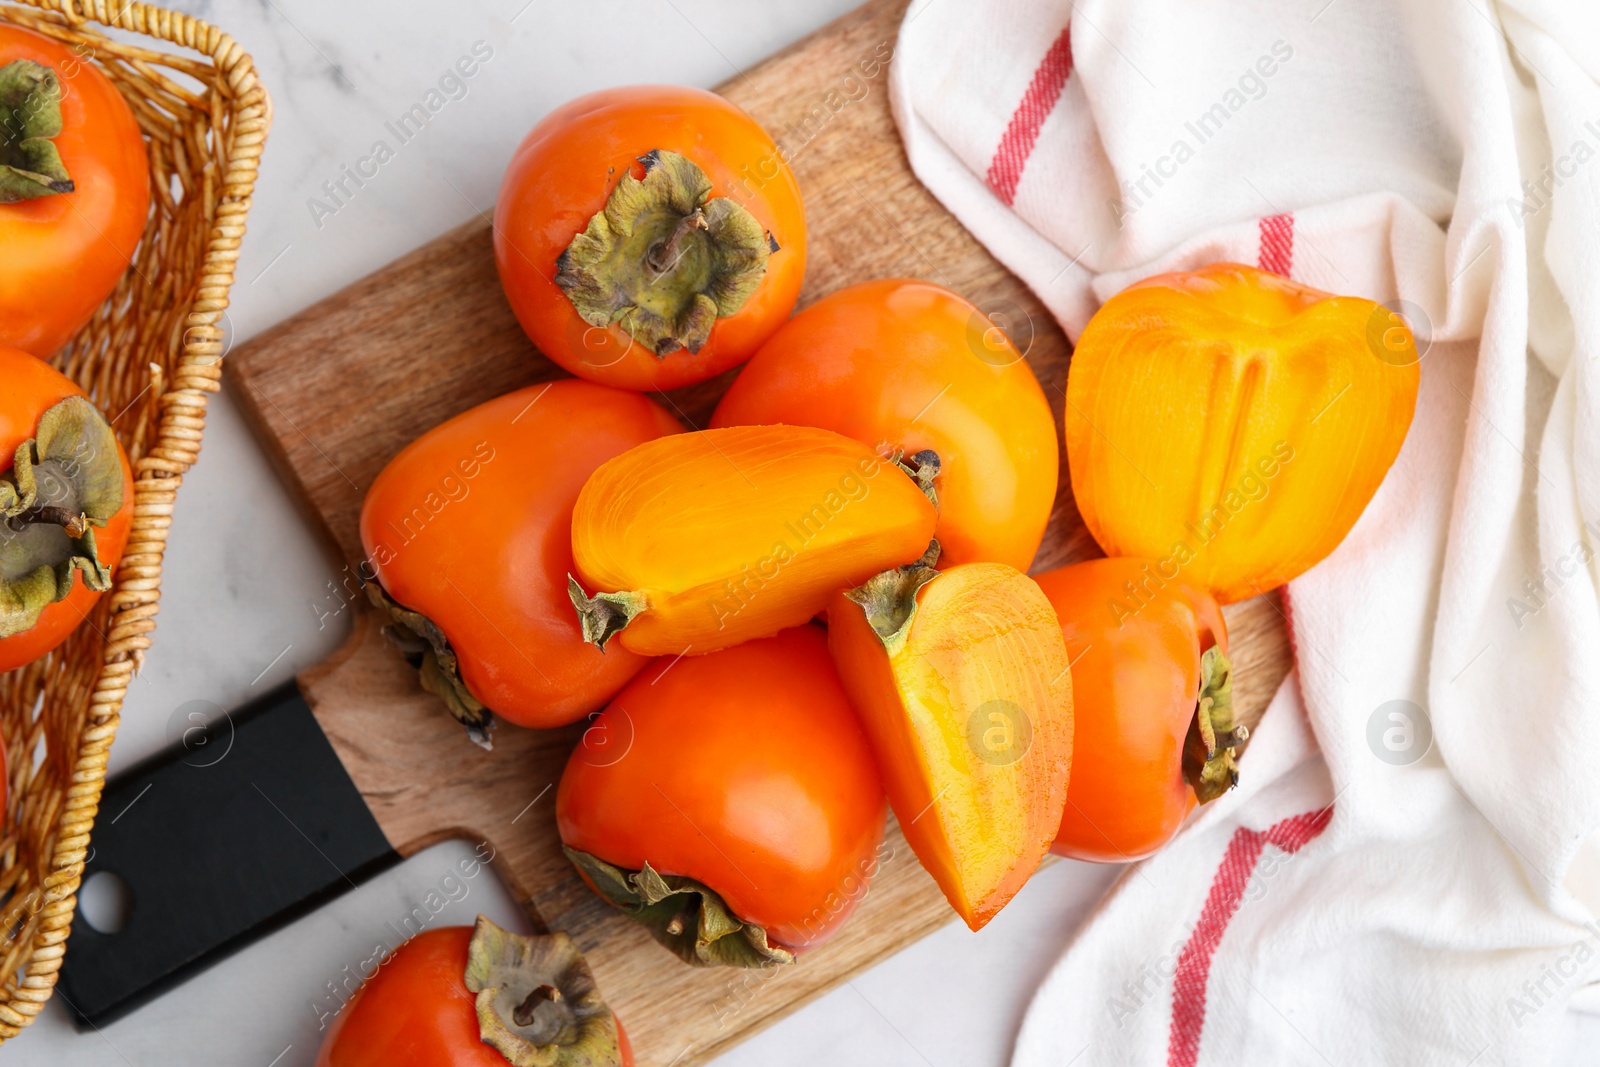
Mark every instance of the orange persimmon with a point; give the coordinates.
(649, 236)
(423, 1007)
(1152, 689)
(1233, 423)
(467, 532)
(905, 366)
(700, 541)
(961, 678)
(66, 507)
(74, 188)
(734, 809)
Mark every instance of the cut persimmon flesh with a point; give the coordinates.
(705, 540)
(961, 679)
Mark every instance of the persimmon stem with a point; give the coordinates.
(680, 922)
(603, 615)
(523, 1016)
(889, 599)
(75, 523)
(664, 255)
(922, 468)
(536, 1000)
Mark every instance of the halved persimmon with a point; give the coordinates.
(961, 678)
(1234, 423)
(700, 541)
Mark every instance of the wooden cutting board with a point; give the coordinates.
(340, 388)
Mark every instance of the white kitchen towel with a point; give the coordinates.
(1412, 880)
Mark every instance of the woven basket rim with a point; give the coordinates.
(159, 471)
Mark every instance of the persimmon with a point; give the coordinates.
(467, 532)
(961, 679)
(649, 237)
(693, 543)
(66, 505)
(909, 367)
(74, 189)
(734, 807)
(478, 996)
(1234, 423)
(1152, 687)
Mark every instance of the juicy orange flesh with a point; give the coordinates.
(1233, 423)
(736, 533)
(980, 672)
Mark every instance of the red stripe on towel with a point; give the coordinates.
(1277, 244)
(1227, 891)
(1022, 132)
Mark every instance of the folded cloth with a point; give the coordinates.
(1407, 874)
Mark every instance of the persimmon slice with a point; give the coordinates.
(699, 542)
(961, 679)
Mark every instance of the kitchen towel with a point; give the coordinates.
(1406, 874)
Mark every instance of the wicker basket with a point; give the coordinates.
(149, 358)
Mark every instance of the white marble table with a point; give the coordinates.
(245, 576)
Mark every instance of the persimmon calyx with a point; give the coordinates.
(30, 116)
(1210, 752)
(664, 259)
(427, 648)
(64, 482)
(537, 1001)
(889, 599)
(686, 916)
(921, 467)
(604, 615)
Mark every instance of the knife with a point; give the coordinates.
(287, 802)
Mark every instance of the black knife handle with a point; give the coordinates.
(220, 843)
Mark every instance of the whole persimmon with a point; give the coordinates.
(74, 189)
(423, 1006)
(912, 369)
(66, 505)
(1154, 731)
(468, 532)
(729, 802)
(650, 236)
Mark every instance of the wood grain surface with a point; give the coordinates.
(340, 388)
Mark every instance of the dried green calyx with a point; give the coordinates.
(922, 468)
(30, 117)
(664, 259)
(427, 648)
(537, 1002)
(604, 615)
(889, 599)
(687, 917)
(1210, 752)
(64, 482)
